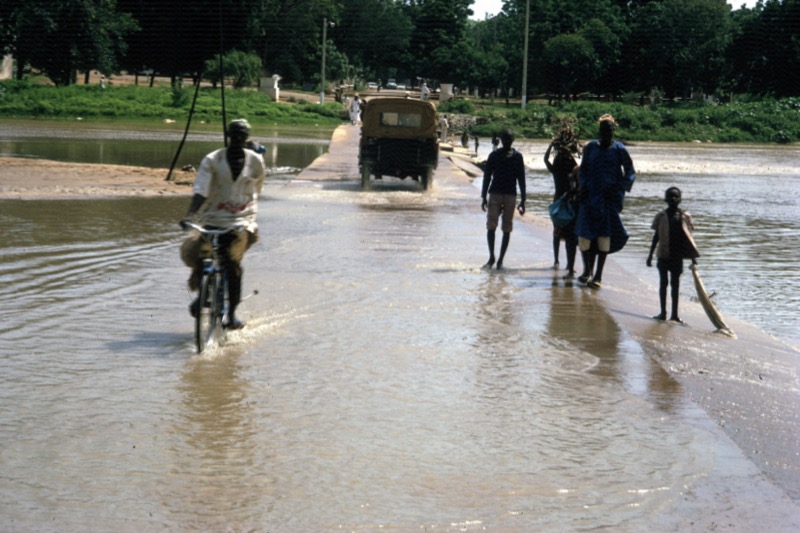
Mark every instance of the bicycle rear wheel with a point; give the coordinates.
(209, 319)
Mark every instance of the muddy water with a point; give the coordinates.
(384, 381)
(746, 211)
(288, 149)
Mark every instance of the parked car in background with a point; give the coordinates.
(391, 83)
(398, 138)
(372, 85)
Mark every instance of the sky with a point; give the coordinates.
(492, 7)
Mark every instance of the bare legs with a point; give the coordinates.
(556, 249)
(589, 258)
(674, 280)
(490, 238)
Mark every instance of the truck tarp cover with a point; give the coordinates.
(399, 118)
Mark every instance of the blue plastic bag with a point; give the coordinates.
(562, 211)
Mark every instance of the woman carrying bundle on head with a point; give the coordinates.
(563, 166)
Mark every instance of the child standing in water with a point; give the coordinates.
(673, 237)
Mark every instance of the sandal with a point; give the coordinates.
(584, 278)
(594, 284)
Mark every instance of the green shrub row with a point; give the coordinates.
(22, 99)
(768, 121)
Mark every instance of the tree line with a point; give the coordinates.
(669, 48)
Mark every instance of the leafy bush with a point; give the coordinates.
(243, 68)
(464, 107)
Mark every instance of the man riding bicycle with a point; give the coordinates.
(226, 191)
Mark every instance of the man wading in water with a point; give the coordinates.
(505, 169)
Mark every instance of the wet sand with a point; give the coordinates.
(31, 179)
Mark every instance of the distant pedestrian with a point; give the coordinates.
(424, 92)
(505, 170)
(495, 142)
(477, 143)
(464, 139)
(443, 125)
(673, 239)
(355, 110)
(606, 174)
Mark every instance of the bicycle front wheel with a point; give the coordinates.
(208, 319)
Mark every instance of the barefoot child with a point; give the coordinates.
(673, 237)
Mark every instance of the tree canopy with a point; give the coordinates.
(604, 47)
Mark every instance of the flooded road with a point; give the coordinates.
(384, 381)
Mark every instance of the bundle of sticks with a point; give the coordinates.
(565, 138)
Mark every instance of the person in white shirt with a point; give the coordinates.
(355, 110)
(424, 93)
(226, 191)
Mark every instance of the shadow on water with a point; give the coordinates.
(578, 318)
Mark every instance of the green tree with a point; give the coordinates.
(764, 57)
(242, 68)
(370, 33)
(679, 45)
(178, 36)
(570, 63)
(288, 36)
(487, 64)
(607, 46)
(437, 43)
(58, 38)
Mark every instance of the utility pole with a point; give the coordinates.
(324, 42)
(525, 54)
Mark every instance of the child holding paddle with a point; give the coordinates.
(673, 237)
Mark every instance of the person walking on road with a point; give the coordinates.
(606, 174)
(566, 146)
(505, 170)
(355, 110)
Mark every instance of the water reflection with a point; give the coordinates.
(221, 461)
(286, 153)
(580, 324)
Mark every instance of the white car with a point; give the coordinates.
(372, 85)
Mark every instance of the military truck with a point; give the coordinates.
(398, 138)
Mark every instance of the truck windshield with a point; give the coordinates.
(401, 120)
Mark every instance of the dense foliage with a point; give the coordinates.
(605, 47)
(762, 121)
(23, 99)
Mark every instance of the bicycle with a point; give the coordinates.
(213, 292)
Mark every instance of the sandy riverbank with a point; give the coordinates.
(30, 179)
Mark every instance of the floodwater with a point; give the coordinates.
(288, 149)
(746, 210)
(384, 381)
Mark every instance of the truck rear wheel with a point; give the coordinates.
(365, 172)
(427, 178)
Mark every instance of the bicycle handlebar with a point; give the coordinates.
(186, 225)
